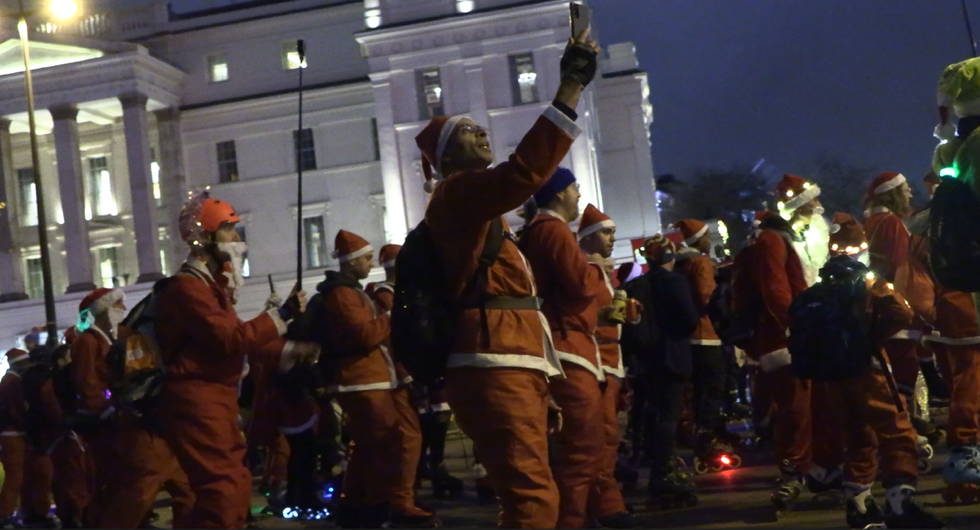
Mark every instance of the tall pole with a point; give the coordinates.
(42, 221)
(969, 28)
(301, 52)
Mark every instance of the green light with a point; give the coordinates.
(949, 172)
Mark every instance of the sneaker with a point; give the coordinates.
(414, 517)
(912, 516)
(618, 520)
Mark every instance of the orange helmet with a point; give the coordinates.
(202, 214)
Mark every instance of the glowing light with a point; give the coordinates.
(834, 247)
(789, 193)
(870, 276)
(806, 185)
(725, 460)
(63, 8)
(780, 205)
(864, 246)
(949, 172)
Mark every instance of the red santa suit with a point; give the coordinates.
(204, 343)
(497, 383)
(956, 341)
(568, 285)
(27, 474)
(372, 391)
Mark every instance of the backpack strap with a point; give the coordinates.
(475, 291)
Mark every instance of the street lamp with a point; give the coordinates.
(61, 9)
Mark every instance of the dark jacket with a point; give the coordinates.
(663, 341)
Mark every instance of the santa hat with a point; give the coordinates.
(17, 355)
(959, 87)
(432, 141)
(884, 183)
(658, 249)
(794, 191)
(559, 182)
(759, 217)
(592, 221)
(691, 229)
(348, 246)
(100, 300)
(387, 255)
(847, 235)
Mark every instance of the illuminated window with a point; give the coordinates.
(290, 57)
(316, 242)
(429, 90)
(155, 176)
(35, 278)
(101, 200)
(372, 13)
(28, 196)
(227, 162)
(217, 68)
(107, 266)
(524, 80)
(465, 6)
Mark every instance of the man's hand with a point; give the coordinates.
(295, 304)
(578, 67)
(554, 416)
(273, 302)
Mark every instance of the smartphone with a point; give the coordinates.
(581, 18)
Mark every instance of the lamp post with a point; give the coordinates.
(66, 8)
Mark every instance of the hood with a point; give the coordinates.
(334, 279)
(687, 253)
(918, 224)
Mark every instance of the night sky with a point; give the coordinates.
(734, 81)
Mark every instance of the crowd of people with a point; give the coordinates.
(548, 346)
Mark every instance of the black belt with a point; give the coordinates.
(513, 302)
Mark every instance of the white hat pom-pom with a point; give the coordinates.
(430, 185)
(945, 132)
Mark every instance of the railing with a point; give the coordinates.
(120, 21)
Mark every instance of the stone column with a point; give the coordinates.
(11, 267)
(77, 247)
(141, 186)
(173, 179)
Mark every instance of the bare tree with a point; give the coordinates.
(842, 185)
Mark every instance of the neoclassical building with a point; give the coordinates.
(136, 106)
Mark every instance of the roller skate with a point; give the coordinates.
(901, 510)
(45, 521)
(962, 475)
(935, 435)
(671, 491)
(10, 522)
(413, 517)
(445, 485)
(926, 453)
(863, 512)
(484, 490)
(826, 485)
(717, 456)
(790, 487)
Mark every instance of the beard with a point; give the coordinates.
(232, 267)
(814, 249)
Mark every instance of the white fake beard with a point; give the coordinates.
(864, 258)
(115, 316)
(814, 250)
(236, 278)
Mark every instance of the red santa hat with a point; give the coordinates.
(658, 249)
(100, 300)
(794, 191)
(17, 355)
(759, 217)
(387, 255)
(691, 229)
(884, 183)
(847, 235)
(348, 246)
(592, 221)
(432, 141)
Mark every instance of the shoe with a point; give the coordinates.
(912, 516)
(871, 516)
(790, 486)
(618, 520)
(413, 517)
(832, 480)
(10, 522)
(47, 521)
(444, 484)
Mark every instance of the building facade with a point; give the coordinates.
(137, 106)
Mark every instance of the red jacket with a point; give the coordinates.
(956, 318)
(90, 372)
(459, 216)
(888, 242)
(568, 285)
(891, 313)
(12, 404)
(383, 294)
(608, 333)
(700, 273)
(778, 275)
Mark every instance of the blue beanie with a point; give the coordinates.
(562, 179)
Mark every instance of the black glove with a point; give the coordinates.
(579, 64)
(290, 309)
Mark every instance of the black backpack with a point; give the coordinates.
(423, 319)
(639, 339)
(954, 235)
(829, 338)
(36, 420)
(312, 325)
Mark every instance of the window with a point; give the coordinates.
(316, 242)
(372, 13)
(101, 201)
(375, 139)
(305, 150)
(290, 57)
(246, 271)
(107, 264)
(164, 250)
(217, 68)
(28, 196)
(155, 176)
(429, 90)
(465, 6)
(523, 79)
(227, 162)
(35, 278)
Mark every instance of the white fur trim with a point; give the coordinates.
(808, 195)
(705, 342)
(354, 255)
(341, 389)
(307, 425)
(22, 357)
(949, 341)
(907, 334)
(967, 108)
(388, 264)
(108, 300)
(444, 134)
(697, 235)
(499, 360)
(563, 122)
(580, 361)
(895, 182)
(773, 361)
(277, 319)
(595, 227)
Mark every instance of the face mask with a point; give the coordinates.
(233, 269)
(116, 316)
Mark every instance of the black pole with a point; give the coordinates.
(969, 28)
(301, 51)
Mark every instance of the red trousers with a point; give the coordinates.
(605, 498)
(961, 367)
(200, 422)
(145, 466)
(72, 485)
(100, 443)
(505, 412)
(387, 444)
(27, 477)
(903, 355)
(276, 459)
(579, 445)
(876, 431)
(828, 434)
(793, 426)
